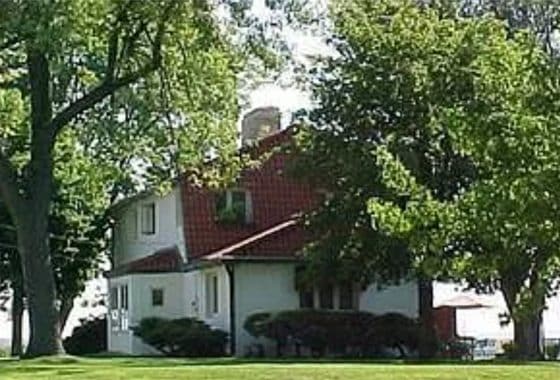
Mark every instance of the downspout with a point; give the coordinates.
(232, 315)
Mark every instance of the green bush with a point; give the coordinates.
(511, 351)
(186, 337)
(350, 333)
(552, 351)
(88, 338)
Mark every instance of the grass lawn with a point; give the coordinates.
(231, 369)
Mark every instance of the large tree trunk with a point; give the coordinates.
(527, 338)
(17, 318)
(44, 337)
(32, 215)
(526, 328)
(427, 348)
(66, 306)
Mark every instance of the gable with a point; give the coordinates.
(275, 198)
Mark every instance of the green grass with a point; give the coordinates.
(231, 369)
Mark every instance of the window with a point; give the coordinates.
(233, 206)
(157, 297)
(118, 298)
(306, 298)
(346, 297)
(148, 219)
(329, 297)
(211, 295)
(124, 308)
(132, 224)
(326, 297)
(114, 298)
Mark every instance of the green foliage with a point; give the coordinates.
(351, 333)
(437, 133)
(184, 337)
(552, 351)
(90, 337)
(100, 99)
(499, 233)
(373, 91)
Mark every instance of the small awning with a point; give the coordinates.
(165, 260)
(464, 302)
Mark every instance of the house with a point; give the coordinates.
(222, 256)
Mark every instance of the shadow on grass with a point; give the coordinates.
(79, 364)
(131, 361)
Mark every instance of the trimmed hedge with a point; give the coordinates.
(185, 337)
(349, 333)
(88, 338)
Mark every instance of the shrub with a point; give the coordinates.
(552, 351)
(341, 332)
(90, 337)
(185, 337)
(511, 351)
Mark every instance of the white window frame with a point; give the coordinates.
(335, 298)
(114, 295)
(248, 202)
(144, 232)
(124, 300)
(158, 289)
(212, 294)
(119, 302)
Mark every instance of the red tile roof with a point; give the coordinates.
(275, 200)
(246, 247)
(162, 261)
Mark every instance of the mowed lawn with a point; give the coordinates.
(230, 369)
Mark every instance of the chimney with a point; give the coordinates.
(259, 123)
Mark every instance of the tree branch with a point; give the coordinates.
(9, 190)
(111, 84)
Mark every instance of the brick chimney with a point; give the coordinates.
(259, 123)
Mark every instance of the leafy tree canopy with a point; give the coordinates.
(109, 96)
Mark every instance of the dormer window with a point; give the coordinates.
(233, 207)
(148, 218)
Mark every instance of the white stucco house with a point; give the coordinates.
(222, 256)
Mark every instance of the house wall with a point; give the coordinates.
(130, 244)
(261, 287)
(118, 341)
(140, 306)
(195, 284)
(271, 287)
(401, 299)
(173, 286)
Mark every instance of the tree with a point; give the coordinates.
(365, 96)
(541, 17)
(10, 278)
(498, 107)
(148, 85)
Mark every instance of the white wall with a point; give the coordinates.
(173, 286)
(118, 341)
(271, 287)
(195, 285)
(129, 242)
(401, 299)
(140, 306)
(262, 287)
